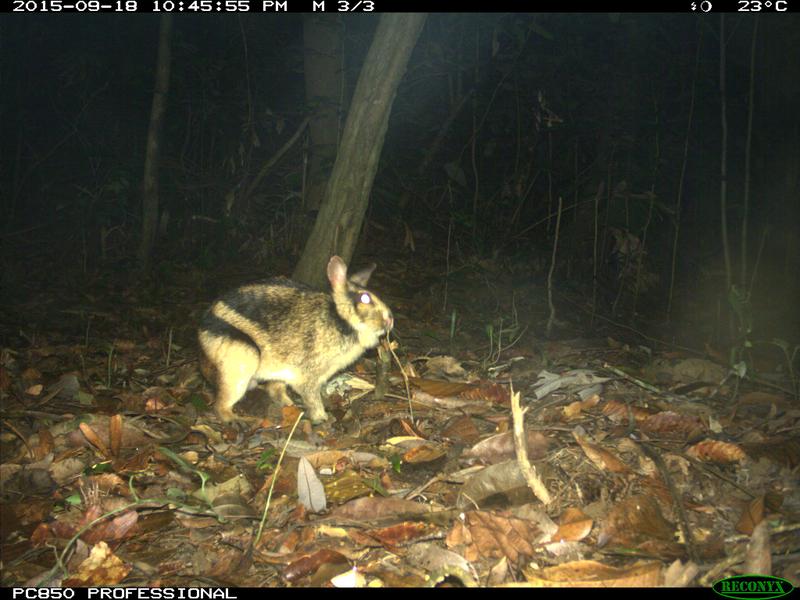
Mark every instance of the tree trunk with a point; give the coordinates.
(324, 76)
(150, 183)
(340, 217)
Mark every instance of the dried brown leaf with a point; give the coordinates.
(424, 453)
(101, 568)
(232, 506)
(123, 345)
(589, 573)
(137, 463)
(462, 429)
(112, 530)
(493, 535)
(782, 451)
(440, 389)
(227, 565)
(762, 399)
(100, 427)
(94, 439)
(602, 458)
(30, 374)
(154, 405)
(289, 416)
(575, 409)
(500, 447)
(718, 452)
(110, 483)
(491, 392)
(634, 520)
(309, 564)
(668, 423)
(368, 509)
(25, 513)
(327, 458)
(575, 526)
(752, 516)
(5, 379)
(45, 445)
(402, 533)
(620, 411)
(433, 558)
(444, 367)
(41, 535)
(115, 434)
(345, 486)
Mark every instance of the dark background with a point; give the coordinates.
(563, 103)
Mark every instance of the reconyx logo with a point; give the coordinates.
(752, 586)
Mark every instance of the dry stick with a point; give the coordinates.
(683, 520)
(594, 252)
(758, 258)
(275, 158)
(447, 256)
(573, 241)
(550, 180)
(552, 317)
(21, 437)
(679, 199)
(169, 348)
(405, 380)
(382, 373)
(432, 150)
(643, 246)
(535, 482)
(417, 491)
(640, 382)
(747, 155)
(250, 119)
(723, 170)
(523, 197)
(543, 220)
(61, 559)
(737, 557)
(473, 146)
(274, 479)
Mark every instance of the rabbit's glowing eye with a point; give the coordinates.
(365, 298)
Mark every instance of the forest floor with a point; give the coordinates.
(659, 466)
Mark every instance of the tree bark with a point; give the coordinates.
(151, 161)
(341, 215)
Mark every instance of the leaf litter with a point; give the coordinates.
(658, 470)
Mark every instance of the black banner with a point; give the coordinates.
(368, 6)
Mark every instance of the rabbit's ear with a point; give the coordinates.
(361, 277)
(337, 272)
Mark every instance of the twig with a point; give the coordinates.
(679, 199)
(275, 158)
(683, 520)
(632, 379)
(535, 482)
(21, 437)
(552, 317)
(274, 479)
(405, 380)
(595, 256)
(748, 153)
